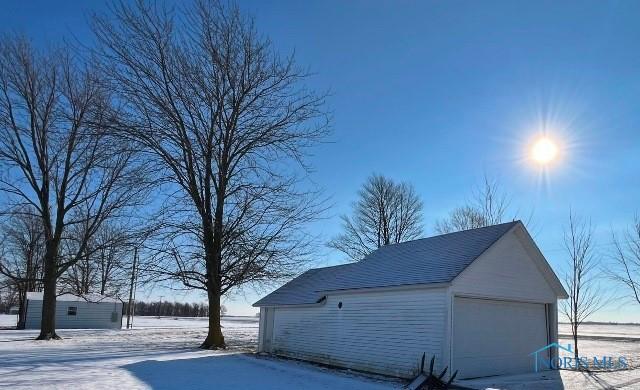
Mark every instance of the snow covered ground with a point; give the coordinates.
(7, 320)
(160, 353)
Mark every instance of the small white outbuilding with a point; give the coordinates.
(91, 311)
(480, 301)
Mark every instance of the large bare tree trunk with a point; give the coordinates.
(213, 248)
(214, 339)
(22, 314)
(575, 343)
(48, 322)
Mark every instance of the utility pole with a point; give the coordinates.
(133, 278)
(160, 306)
(135, 290)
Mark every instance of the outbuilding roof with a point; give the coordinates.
(38, 296)
(431, 260)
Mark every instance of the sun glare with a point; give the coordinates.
(544, 151)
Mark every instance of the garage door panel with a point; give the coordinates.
(496, 337)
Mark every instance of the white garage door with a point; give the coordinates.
(496, 337)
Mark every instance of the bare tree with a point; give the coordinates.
(488, 206)
(385, 213)
(115, 245)
(626, 258)
(80, 277)
(8, 295)
(585, 295)
(56, 155)
(105, 265)
(227, 121)
(21, 260)
(461, 218)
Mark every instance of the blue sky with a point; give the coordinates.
(440, 93)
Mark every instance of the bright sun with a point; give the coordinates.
(544, 151)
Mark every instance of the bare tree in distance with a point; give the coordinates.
(228, 122)
(80, 278)
(385, 213)
(57, 157)
(105, 266)
(8, 294)
(488, 206)
(115, 247)
(626, 259)
(175, 309)
(461, 218)
(22, 241)
(585, 295)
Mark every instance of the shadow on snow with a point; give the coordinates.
(241, 371)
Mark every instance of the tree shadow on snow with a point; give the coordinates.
(193, 373)
(630, 380)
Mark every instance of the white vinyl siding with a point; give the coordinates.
(384, 332)
(265, 332)
(505, 271)
(89, 315)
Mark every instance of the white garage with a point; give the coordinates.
(480, 301)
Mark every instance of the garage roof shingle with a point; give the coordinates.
(437, 259)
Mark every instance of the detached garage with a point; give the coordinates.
(91, 311)
(480, 301)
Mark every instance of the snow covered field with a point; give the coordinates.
(158, 354)
(161, 354)
(603, 331)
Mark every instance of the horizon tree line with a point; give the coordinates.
(172, 309)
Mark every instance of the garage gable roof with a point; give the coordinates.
(431, 260)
